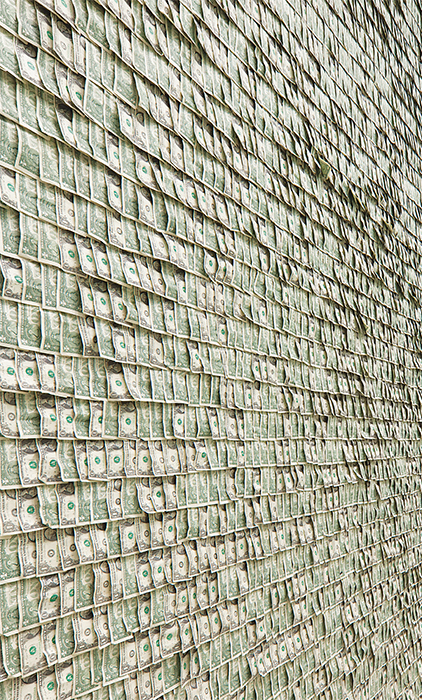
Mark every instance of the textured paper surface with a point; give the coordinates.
(210, 356)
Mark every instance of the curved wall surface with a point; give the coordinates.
(210, 350)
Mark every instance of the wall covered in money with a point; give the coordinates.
(210, 350)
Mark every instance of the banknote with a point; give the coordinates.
(156, 562)
(99, 501)
(114, 189)
(67, 592)
(102, 591)
(84, 584)
(116, 381)
(28, 156)
(49, 467)
(45, 28)
(116, 459)
(12, 278)
(65, 648)
(27, 59)
(117, 629)
(68, 551)
(8, 415)
(47, 681)
(144, 651)
(28, 509)
(8, 370)
(62, 41)
(49, 606)
(114, 498)
(31, 651)
(64, 679)
(188, 295)
(96, 419)
(10, 608)
(82, 672)
(83, 626)
(117, 579)
(117, 303)
(127, 420)
(10, 651)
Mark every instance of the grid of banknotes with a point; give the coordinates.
(210, 350)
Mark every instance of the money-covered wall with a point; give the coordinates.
(210, 350)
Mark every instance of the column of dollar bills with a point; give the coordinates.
(210, 350)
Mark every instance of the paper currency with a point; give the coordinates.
(209, 360)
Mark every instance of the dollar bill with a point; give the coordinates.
(143, 574)
(68, 552)
(127, 420)
(66, 416)
(102, 591)
(87, 297)
(101, 257)
(114, 498)
(143, 532)
(86, 255)
(49, 468)
(115, 458)
(131, 684)
(62, 41)
(157, 567)
(28, 156)
(48, 556)
(27, 555)
(81, 459)
(47, 683)
(84, 545)
(49, 606)
(88, 334)
(101, 299)
(116, 381)
(84, 586)
(127, 530)
(110, 663)
(68, 504)
(9, 514)
(48, 507)
(9, 594)
(64, 679)
(29, 598)
(46, 406)
(46, 372)
(29, 326)
(31, 651)
(76, 86)
(11, 656)
(67, 592)
(123, 619)
(8, 380)
(114, 189)
(83, 626)
(65, 636)
(96, 419)
(101, 626)
(45, 28)
(13, 284)
(117, 579)
(117, 303)
(97, 460)
(28, 509)
(132, 382)
(101, 541)
(27, 59)
(82, 673)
